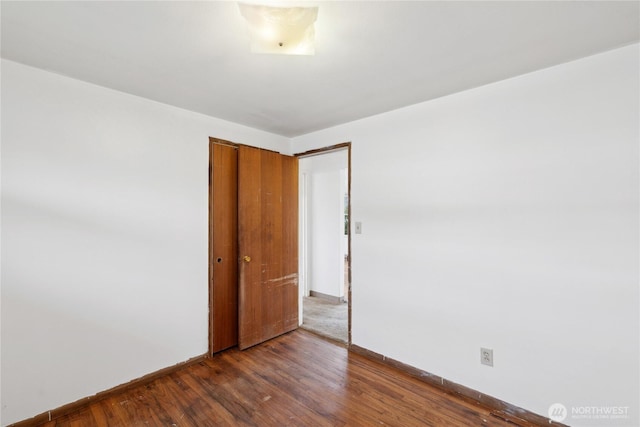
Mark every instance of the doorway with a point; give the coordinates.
(325, 259)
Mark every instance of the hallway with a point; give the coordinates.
(326, 318)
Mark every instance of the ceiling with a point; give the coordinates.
(371, 57)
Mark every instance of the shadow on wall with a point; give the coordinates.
(70, 366)
(83, 330)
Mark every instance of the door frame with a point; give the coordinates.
(317, 152)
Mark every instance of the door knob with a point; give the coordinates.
(247, 258)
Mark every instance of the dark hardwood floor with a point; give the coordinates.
(297, 379)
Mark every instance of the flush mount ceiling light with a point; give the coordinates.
(283, 30)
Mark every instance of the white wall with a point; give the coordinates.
(325, 221)
(104, 237)
(325, 236)
(505, 217)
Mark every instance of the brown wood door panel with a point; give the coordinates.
(224, 246)
(290, 248)
(268, 245)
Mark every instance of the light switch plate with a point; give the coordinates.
(358, 228)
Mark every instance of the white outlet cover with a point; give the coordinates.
(486, 356)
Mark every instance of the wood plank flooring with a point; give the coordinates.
(297, 379)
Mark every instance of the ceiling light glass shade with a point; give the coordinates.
(284, 30)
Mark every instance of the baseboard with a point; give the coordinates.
(82, 403)
(331, 298)
(497, 407)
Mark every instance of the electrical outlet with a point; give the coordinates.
(486, 356)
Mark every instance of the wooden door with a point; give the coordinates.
(268, 245)
(223, 251)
